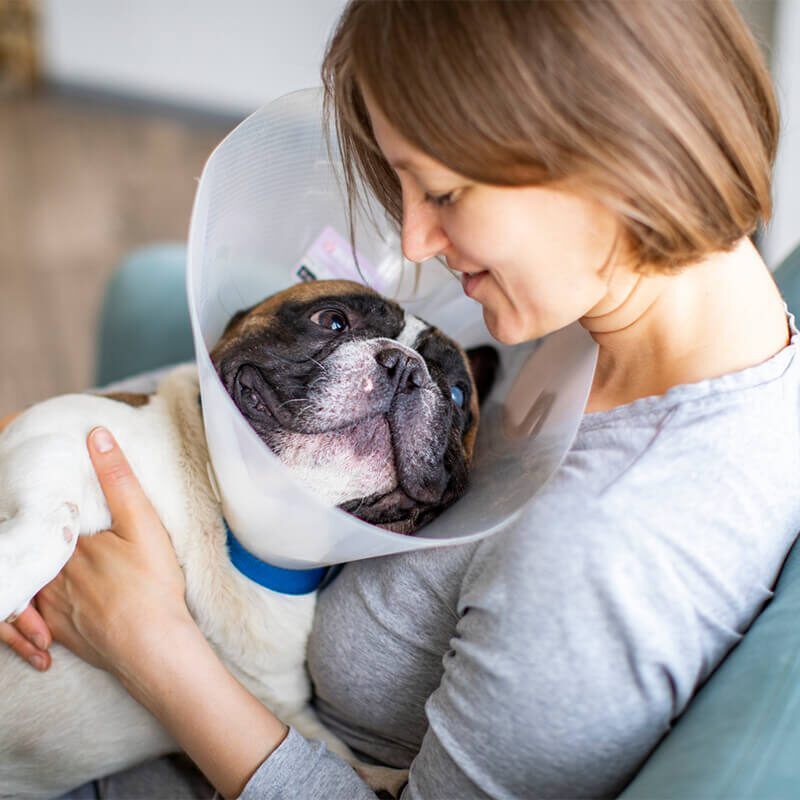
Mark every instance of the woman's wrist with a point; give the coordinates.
(224, 729)
(141, 657)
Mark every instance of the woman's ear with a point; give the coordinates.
(484, 362)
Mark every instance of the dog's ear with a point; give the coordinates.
(484, 361)
(236, 319)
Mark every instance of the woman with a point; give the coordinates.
(594, 161)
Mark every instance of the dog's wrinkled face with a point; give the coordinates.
(371, 408)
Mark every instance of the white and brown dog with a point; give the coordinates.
(375, 410)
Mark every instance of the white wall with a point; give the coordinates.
(235, 56)
(231, 56)
(783, 233)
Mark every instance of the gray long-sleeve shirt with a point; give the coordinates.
(548, 660)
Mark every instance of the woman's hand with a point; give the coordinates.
(29, 637)
(7, 419)
(121, 591)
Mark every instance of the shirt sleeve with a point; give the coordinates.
(574, 649)
(299, 767)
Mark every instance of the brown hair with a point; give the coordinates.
(663, 111)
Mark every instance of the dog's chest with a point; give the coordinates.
(260, 634)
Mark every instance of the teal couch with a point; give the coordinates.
(740, 736)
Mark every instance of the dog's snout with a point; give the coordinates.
(404, 370)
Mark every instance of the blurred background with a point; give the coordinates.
(108, 111)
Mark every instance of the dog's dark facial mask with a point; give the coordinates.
(372, 408)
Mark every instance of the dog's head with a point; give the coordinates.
(373, 409)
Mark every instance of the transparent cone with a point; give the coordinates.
(270, 210)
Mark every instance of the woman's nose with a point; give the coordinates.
(422, 234)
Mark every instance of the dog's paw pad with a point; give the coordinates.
(65, 522)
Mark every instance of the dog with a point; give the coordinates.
(371, 408)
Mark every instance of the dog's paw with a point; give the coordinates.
(384, 781)
(33, 549)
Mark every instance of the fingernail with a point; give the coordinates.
(37, 662)
(39, 641)
(102, 441)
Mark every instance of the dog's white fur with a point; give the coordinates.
(73, 723)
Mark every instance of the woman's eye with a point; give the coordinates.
(457, 396)
(440, 200)
(331, 319)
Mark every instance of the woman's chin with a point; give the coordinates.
(508, 329)
(503, 329)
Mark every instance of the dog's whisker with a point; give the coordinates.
(293, 400)
(303, 360)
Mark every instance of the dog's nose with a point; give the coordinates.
(404, 370)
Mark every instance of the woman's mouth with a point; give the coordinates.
(470, 281)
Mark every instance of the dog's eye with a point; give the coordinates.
(457, 396)
(330, 318)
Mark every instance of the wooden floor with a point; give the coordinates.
(82, 182)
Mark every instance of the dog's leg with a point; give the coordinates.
(308, 725)
(42, 488)
(33, 549)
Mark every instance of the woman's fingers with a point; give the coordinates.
(31, 625)
(127, 502)
(7, 419)
(29, 637)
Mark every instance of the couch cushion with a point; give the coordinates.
(144, 321)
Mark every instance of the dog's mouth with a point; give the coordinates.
(393, 511)
(377, 450)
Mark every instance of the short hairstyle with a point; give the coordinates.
(663, 111)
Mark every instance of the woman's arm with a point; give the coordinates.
(218, 723)
(119, 604)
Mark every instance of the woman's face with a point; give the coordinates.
(535, 258)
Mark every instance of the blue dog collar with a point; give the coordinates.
(279, 579)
